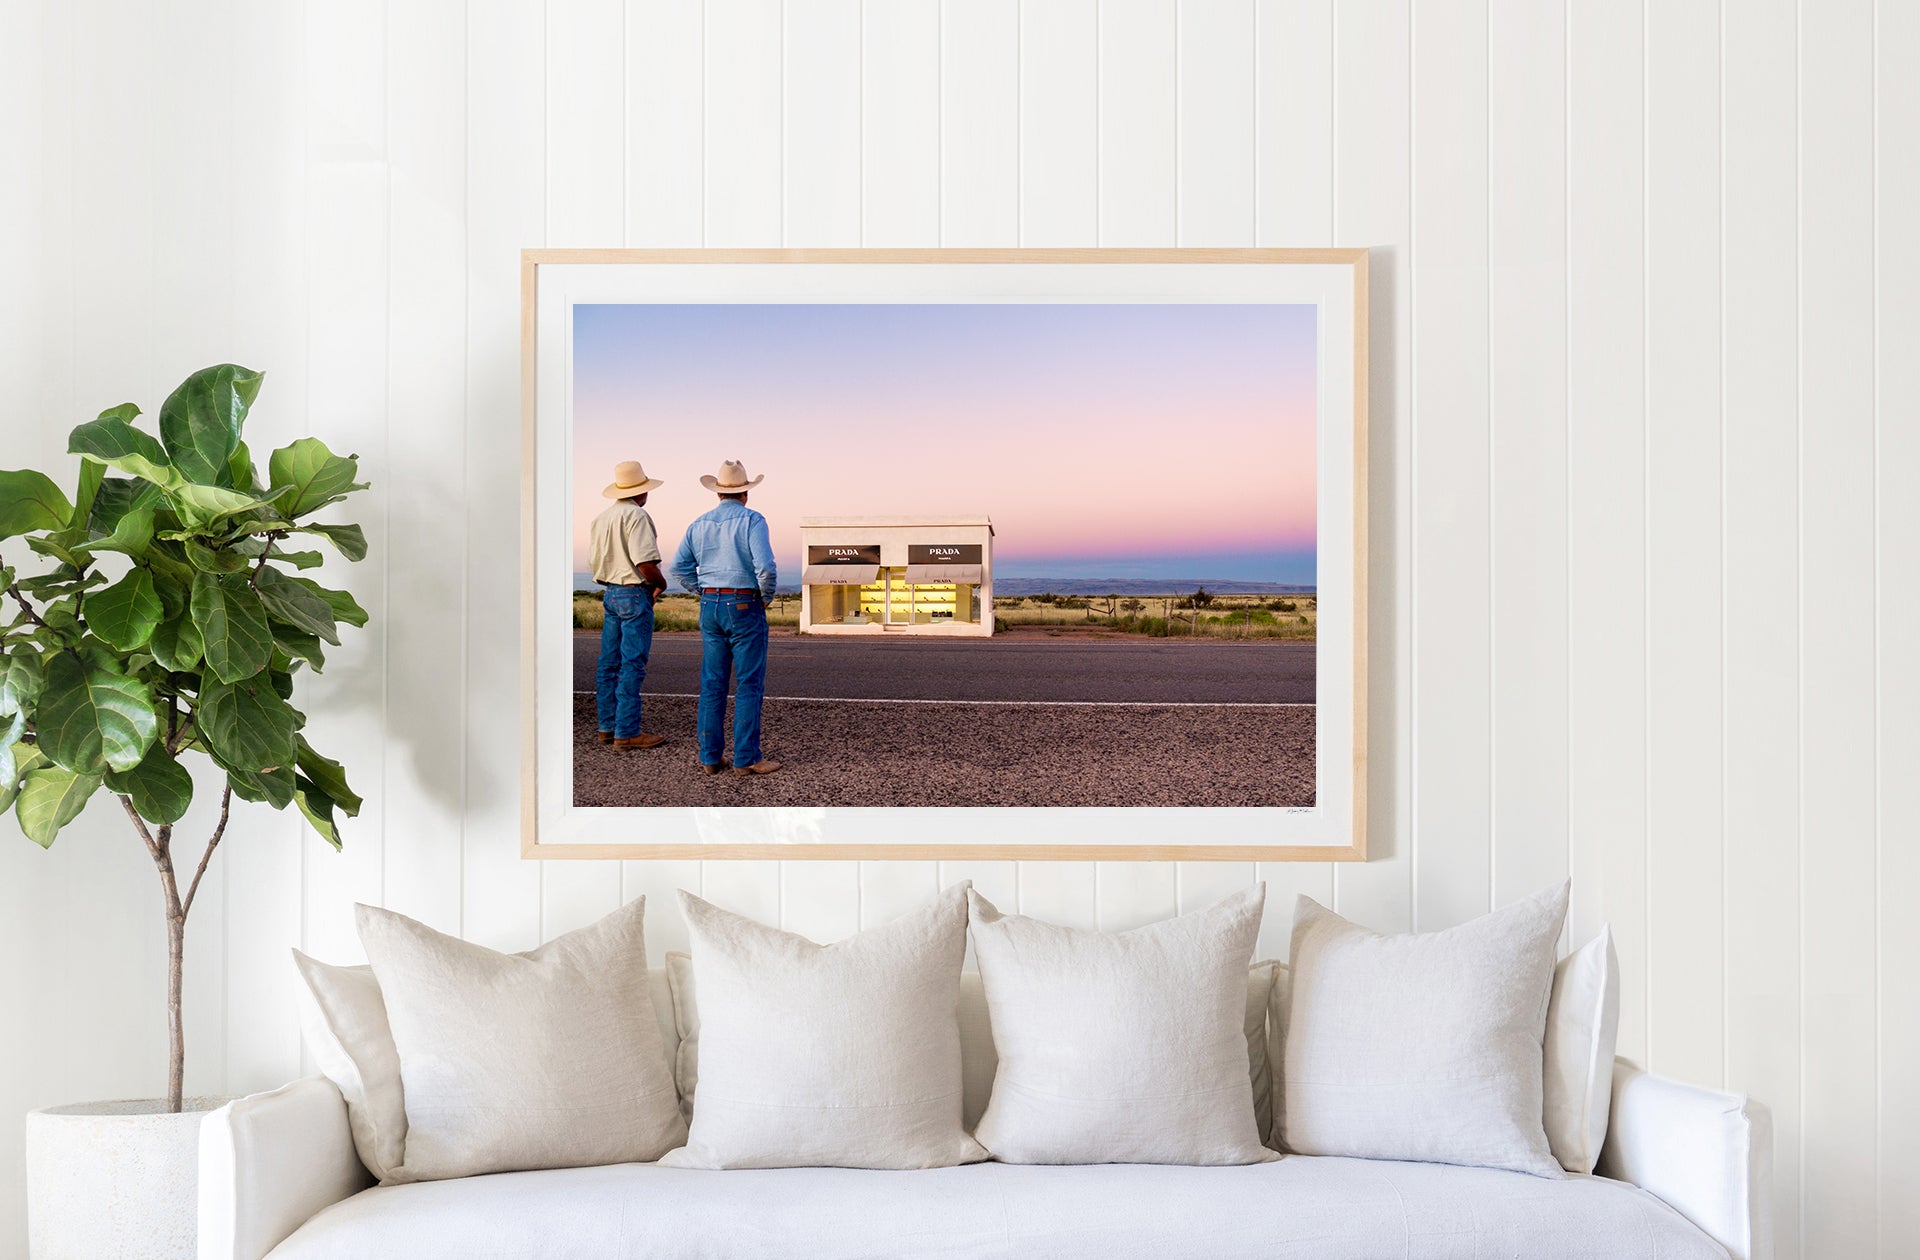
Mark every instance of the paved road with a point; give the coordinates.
(1003, 668)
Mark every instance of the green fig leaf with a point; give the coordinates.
(50, 798)
(200, 421)
(159, 787)
(247, 724)
(91, 719)
(349, 540)
(296, 604)
(29, 501)
(232, 624)
(125, 613)
(312, 476)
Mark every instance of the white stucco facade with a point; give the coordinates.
(911, 575)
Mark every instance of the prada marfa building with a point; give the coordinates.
(929, 575)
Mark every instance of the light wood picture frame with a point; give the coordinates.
(562, 818)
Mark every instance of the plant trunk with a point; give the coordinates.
(176, 1032)
(176, 975)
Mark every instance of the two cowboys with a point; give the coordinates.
(726, 557)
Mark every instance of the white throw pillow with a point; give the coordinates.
(1583, 1027)
(550, 1059)
(1583, 1022)
(977, 1060)
(344, 1022)
(1278, 999)
(1261, 978)
(844, 1055)
(1422, 1047)
(1125, 1047)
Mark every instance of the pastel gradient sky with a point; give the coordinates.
(1143, 440)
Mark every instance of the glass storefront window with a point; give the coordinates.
(934, 602)
(895, 596)
(943, 592)
(842, 594)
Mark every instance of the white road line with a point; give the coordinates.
(1031, 704)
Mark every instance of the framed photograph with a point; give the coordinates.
(1036, 554)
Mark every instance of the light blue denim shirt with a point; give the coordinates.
(728, 546)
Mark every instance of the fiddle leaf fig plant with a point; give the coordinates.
(169, 621)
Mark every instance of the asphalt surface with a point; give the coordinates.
(835, 753)
(1070, 666)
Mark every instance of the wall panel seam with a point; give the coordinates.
(1879, 833)
(386, 429)
(1493, 484)
(1800, 588)
(1646, 524)
(1408, 407)
(1566, 385)
(1726, 912)
(464, 783)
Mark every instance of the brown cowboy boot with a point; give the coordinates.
(639, 741)
(759, 767)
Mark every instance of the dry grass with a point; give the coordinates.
(678, 612)
(1159, 616)
(1227, 617)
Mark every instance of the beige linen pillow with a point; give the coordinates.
(344, 1022)
(844, 1055)
(1125, 1047)
(1583, 1022)
(1423, 1047)
(977, 1060)
(549, 1059)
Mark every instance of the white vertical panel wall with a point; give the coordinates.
(1644, 437)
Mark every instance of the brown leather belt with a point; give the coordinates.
(730, 590)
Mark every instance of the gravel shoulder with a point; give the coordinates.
(854, 754)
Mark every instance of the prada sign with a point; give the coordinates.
(846, 555)
(943, 553)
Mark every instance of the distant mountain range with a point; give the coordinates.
(1020, 587)
(1138, 586)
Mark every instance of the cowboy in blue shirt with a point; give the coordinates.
(727, 558)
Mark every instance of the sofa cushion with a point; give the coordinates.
(1123, 1047)
(1422, 1047)
(549, 1059)
(977, 1060)
(1583, 1022)
(343, 1020)
(1312, 1209)
(845, 1054)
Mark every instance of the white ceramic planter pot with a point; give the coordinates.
(114, 1179)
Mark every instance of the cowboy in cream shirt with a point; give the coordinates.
(625, 555)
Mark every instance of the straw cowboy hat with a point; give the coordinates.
(630, 479)
(732, 479)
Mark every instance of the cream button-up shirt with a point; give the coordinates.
(623, 540)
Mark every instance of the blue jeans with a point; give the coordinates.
(625, 640)
(733, 637)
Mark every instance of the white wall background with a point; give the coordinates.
(1646, 422)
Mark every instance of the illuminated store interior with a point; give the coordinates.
(930, 575)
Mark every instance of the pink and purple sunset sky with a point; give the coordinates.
(1115, 440)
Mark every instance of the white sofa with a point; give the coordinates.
(1687, 1175)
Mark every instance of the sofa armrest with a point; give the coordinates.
(270, 1161)
(1706, 1154)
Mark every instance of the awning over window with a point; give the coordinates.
(841, 574)
(963, 574)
